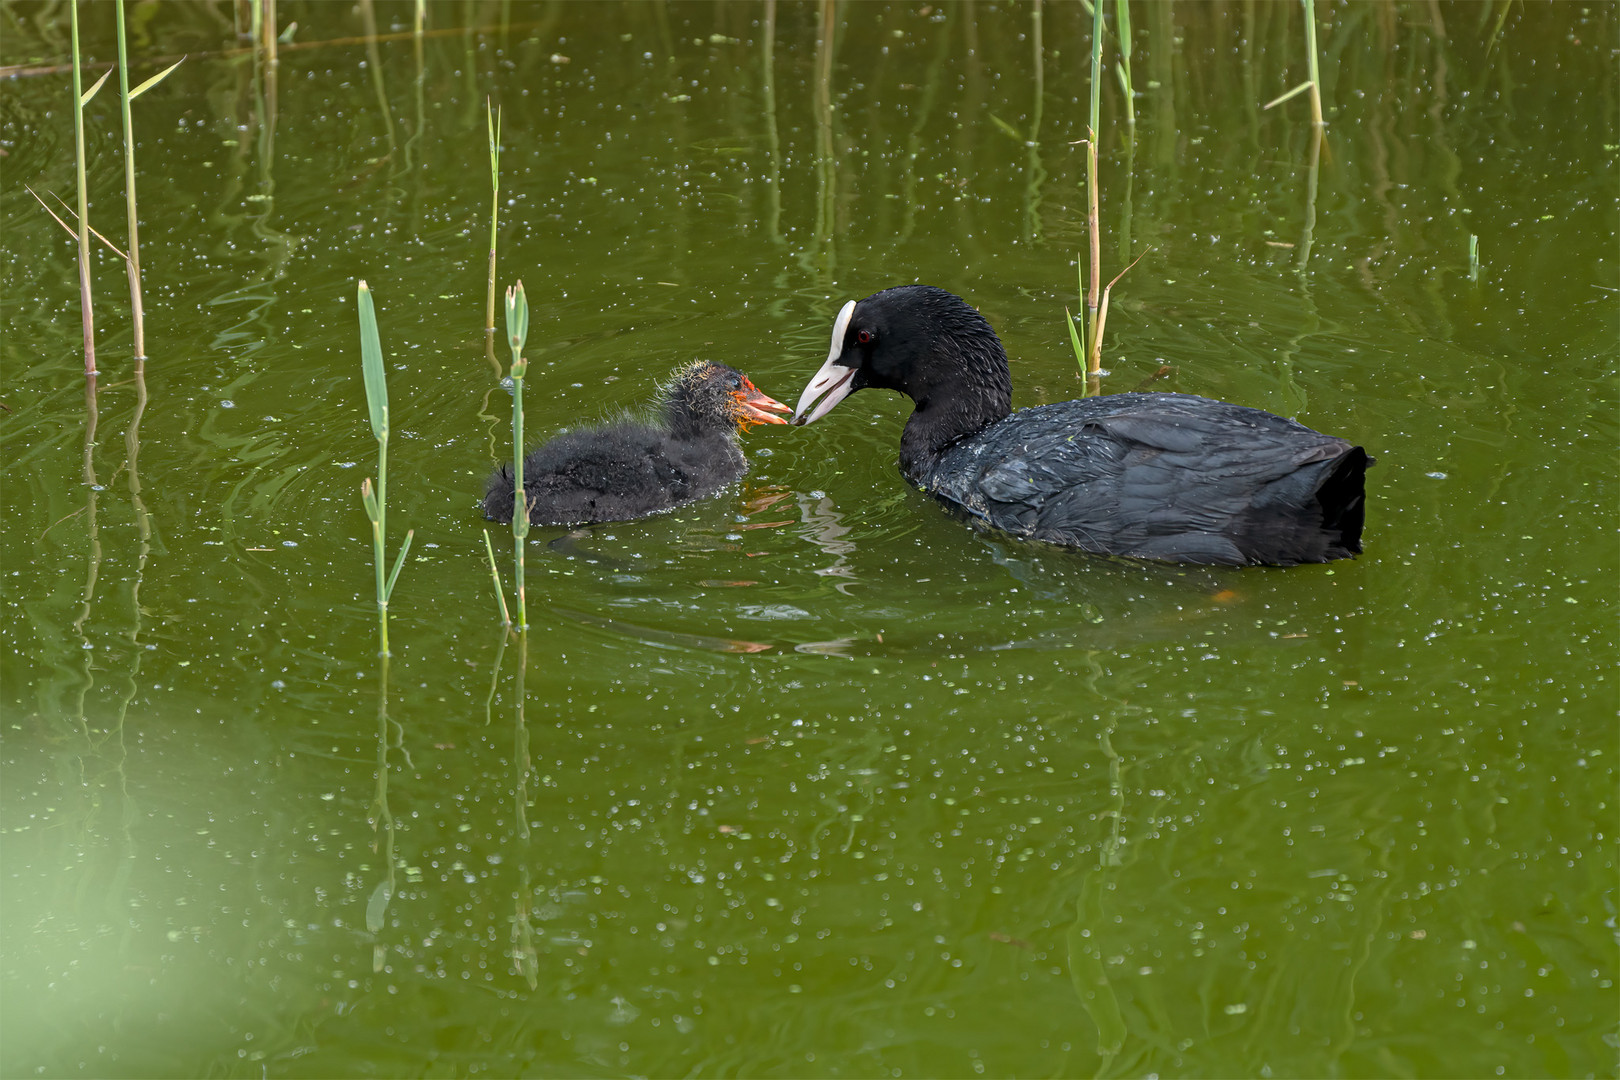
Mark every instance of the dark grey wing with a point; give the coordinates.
(1158, 476)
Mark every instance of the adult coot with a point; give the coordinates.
(1153, 476)
(629, 468)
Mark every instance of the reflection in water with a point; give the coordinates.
(821, 257)
(1034, 171)
(1087, 970)
(671, 639)
(390, 736)
(525, 955)
(1308, 230)
(773, 196)
(368, 19)
(825, 528)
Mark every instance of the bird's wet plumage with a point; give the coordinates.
(1172, 477)
(627, 469)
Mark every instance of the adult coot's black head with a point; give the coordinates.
(1157, 476)
(629, 468)
(927, 344)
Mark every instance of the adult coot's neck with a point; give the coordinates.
(948, 360)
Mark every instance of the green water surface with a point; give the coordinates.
(809, 779)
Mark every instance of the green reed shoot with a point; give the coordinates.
(1473, 257)
(376, 500)
(493, 119)
(517, 332)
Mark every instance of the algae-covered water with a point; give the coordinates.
(809, 779)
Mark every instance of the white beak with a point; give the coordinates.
(833, 379)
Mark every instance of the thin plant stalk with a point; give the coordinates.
(267, 28)
(1122, 10)
(1093, 344)
(493, 119)
(517, 332)
(1314, 83)
(132, 261)
(1316, 75)
(87, 314)
(376, 499)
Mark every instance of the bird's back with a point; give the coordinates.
(1161, 476)
(615, 472)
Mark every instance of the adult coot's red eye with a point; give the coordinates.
(1172, 477)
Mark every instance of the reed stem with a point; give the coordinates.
(132, 260)
(517, 332)
(493, 120)
(1093, 232)
(267, 30)
(86, 311)
(1316, 75)
(1122, 26)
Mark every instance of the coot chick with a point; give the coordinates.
(630, 468)
(1172, 477)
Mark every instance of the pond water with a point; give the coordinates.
(810, 778)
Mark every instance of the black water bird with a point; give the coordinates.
(631, 468)
(1172, 477)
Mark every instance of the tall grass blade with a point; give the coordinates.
(393, 576)
(71, 231)
(154, 80)
(1296, 91)
(108, 244)
(90, 93)
(1074, 338)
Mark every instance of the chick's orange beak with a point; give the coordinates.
(752, 406)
